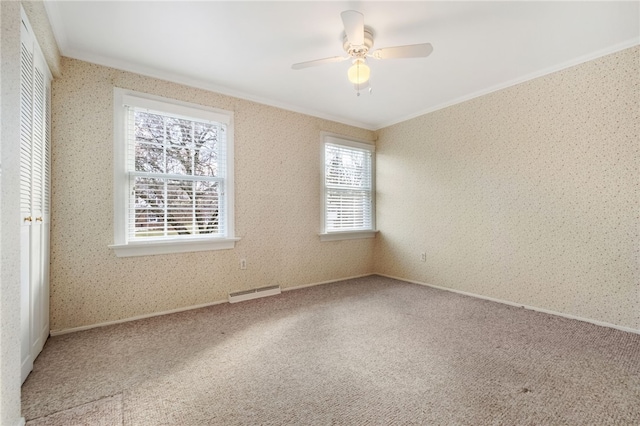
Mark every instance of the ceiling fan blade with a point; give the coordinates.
(353, 26)
(317, 62)
(411, 51)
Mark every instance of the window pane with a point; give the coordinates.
(348, 210)
(149, 127)
(149, 207)
(180, 207)
(168, 207)
(149, 158)
(347, 167)
(172, 145)
(149, 139)
(179, 160)
(178, 132)
(207, 205)
(207, 143)
(179, 146)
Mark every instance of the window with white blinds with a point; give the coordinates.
(176, 175)
(348, 185)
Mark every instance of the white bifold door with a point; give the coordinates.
(35, 167)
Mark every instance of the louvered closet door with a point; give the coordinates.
(39, 229)
(35, 166)
(26, 138)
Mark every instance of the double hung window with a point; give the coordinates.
(348, 189)
(173, 176)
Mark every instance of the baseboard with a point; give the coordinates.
(519, 305)
(299, 287)
(254, 293)
(139, 317)
(186, 308)
(21, 422)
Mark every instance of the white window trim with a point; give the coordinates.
(123, 248)
(327, 137)
(347, 235)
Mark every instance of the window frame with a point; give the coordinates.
(335, 139)
(122, 246)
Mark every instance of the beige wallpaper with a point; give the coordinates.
(530, 194)
(39, 21)
(277, 160)
(10, 213)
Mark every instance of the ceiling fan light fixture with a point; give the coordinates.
(359, 72)
(357, 41)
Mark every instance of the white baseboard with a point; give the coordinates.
(520, 305)
(478, 296)
(327, 282)
(255, 293)
(138, 317)
(186, 308)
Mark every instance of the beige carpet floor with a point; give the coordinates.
(369, 351)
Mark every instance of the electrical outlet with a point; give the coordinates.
(423, 256)
(243, 263)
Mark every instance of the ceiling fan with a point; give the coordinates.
(357, 42)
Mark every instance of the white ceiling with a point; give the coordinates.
(246, 49)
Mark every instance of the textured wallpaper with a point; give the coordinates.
(529, 194)
(39, 21)
(10, 329)
(277, 162)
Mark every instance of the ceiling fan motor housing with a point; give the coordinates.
(359, 51)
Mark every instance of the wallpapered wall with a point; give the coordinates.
(41, 26)
(277, 161)
(10, 214)
(529, 194)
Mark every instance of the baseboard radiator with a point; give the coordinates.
(255, 293)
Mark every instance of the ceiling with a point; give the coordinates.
(246, 49)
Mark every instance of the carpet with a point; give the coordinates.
(104, 412)
(368, 351)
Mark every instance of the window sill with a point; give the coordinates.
(347, 235)
(168, 247)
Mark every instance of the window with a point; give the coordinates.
(173, 176)
(348, 189)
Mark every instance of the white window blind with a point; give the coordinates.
(348, 186)
(176, 168)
